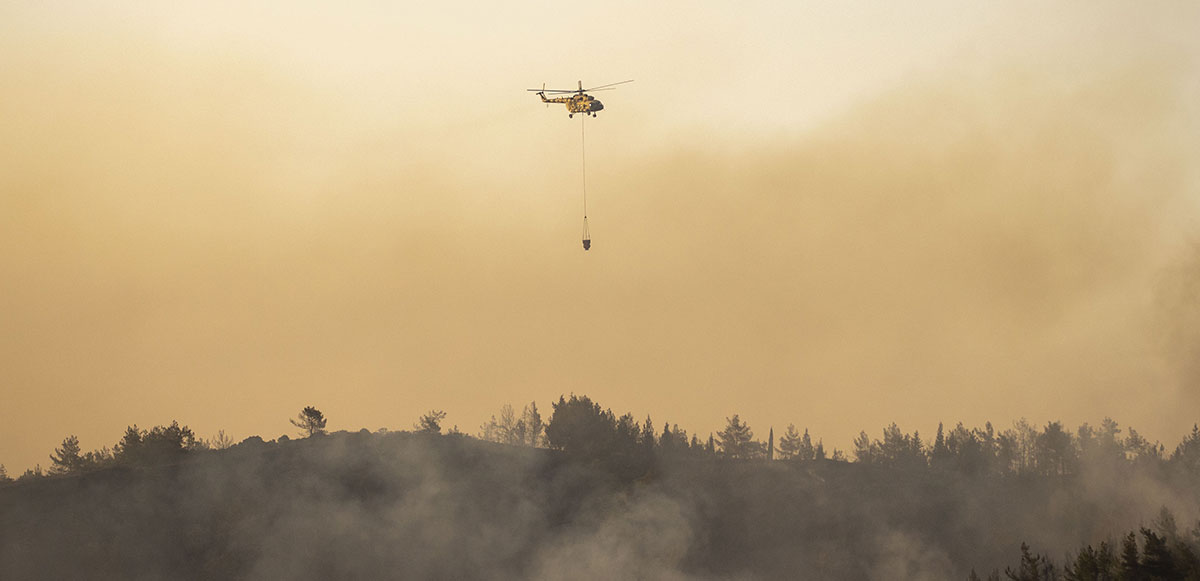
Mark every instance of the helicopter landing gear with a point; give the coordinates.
(570, 115)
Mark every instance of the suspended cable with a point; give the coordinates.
(587, 236)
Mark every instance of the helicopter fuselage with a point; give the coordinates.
(578, 103)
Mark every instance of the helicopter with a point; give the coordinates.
(578, 100)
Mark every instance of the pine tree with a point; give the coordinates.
(1131, 569)
(534, 425)
(666, 441)
(940, 454)
(789, 444)
(863, 450)
(807, 452)
(736, 438)
(431, 422)
(648, 439)
(1157, 562)
(310, 421)
(1032, 567)
(1187, 453)
(67, 459)
(771, 444)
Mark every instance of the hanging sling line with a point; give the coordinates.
(587, 237)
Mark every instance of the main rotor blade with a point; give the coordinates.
(552, 91)
(609, 85)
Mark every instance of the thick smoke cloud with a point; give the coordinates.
(199, 226)
(406, 506)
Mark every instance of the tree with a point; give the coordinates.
(310, 421)
(899, 449)
(939, 456)
(771, 444)
(1157, 562)
(648, 439)
(1131, 569)
(534, 424)
(864, 451)
(154, 446)
(736, 438)
(67, 459)
(1055, 453)
(219, 442)
(580, 428)
(789, 444)
(517, 430)
(1091, 564)
(1032, 567)
(4, 474)
(679, 437)
(431, 422)
(667, 440)
(31, 473)
(1187, 453)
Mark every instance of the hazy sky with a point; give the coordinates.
(833, 214)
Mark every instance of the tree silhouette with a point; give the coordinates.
(789, 444)
(534, 426)
(1032, 567)
(1131, 568)
(1187, 453)
(579, 427)
(431, 422)
(864, 450)
(219, 442)
(310, 421)
(1157, 562)
(67, 459)
(736, 439)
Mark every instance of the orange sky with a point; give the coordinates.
(831, 214)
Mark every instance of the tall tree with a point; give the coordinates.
(156, 445)
(864, 450)
(534, 426)
(1131, 568)
(1032, 567)
(1157, 561)
(580, 427)
(789, 444)
(736, 438)
(219, 442)
(67, 459)
(648, 440)
(667, 441)
(1055, 452)
(431, 422)
(771, 444)
(1187, 453)
(310, 421)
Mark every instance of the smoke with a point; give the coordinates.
(197, 225)
(638, 535)
(411, 506)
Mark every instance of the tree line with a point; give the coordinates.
(582, 428)
(1161, 552)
